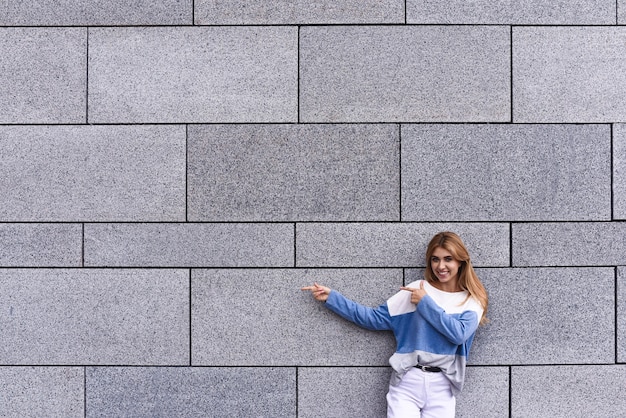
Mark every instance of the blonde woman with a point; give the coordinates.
(434, 322)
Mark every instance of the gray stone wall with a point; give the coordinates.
(173, 171)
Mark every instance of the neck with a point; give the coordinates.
(452, 286)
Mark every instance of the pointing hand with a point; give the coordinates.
(416, 293)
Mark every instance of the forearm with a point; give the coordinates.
(457, 328)
(365, 317)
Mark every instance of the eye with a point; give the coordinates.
(448, 259)
(434, 259)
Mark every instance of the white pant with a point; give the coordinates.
(421, 394)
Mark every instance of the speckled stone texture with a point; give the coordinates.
(42, 391)
(569, 74)
(350, 392)
(43, 75)
(520, 12)
(189, 245)
(241, 12)
(243, 317)
(78, 316)
(530, 324)
(40, 245)
(404, 74)
(506, 172)
(621, 315)
(191, 392)
(293, 173)
(569, 244)
(485, 393)
(92, 173)
(392, 245)
(619, 171)
(226, 74)
(94, 12)
(568, 391)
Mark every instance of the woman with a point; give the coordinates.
(434, 322)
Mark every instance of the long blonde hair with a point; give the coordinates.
(468, 280)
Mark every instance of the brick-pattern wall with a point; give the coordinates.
(173, 171)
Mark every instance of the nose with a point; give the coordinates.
(440, 265)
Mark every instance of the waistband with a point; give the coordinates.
(428, 368)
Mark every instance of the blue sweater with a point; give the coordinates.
(436, 332)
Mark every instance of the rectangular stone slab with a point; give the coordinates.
(505, 12)
(40, 245)
(42, 391)
(242, 12)
(92, 173)
(498, 172)
(550, 315)
(96, 12)
(569, 244)
(91, 316)
(405, 74)
(189, 245)
(293, 172)
(191, 391)
(569, 74)
(43, 78)
(568, 391)
(193, 74)
(393, 244)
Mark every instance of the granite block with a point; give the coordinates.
(621, 314)
(293, 172)
(619, 171)
(42, 392)
(260, 317)
(241, 12)
(193, 74)
(621, 12)
(191, 392)
(521, 12)
(547, 316)
(40, 245)
(569, 244)
(568, 391)
(43, 76)
(405, 73)
(94, 12)
(485, 393)
(189, 245)
(92, 173)
(393, 244)
(358, 392)
(506, 172)
(90, 316)
(569, 74)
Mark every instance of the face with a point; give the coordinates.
(445, 266)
